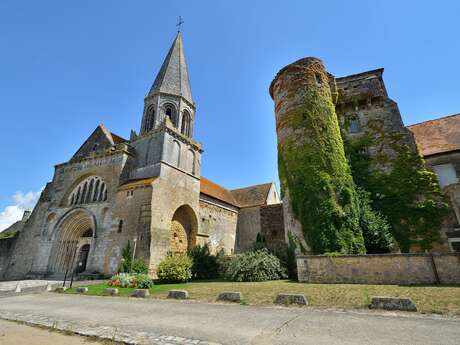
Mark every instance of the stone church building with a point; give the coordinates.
(147, 190)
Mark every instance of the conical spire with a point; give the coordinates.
(173, 75)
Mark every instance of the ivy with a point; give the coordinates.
(314, 169)
(408, 195)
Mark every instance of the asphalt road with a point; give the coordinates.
(240, 325)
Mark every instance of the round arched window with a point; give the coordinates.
(92, 189)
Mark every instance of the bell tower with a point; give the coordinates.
(170, 97)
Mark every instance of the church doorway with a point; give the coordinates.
(72, 242)
(184, 227)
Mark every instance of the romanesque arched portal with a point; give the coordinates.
(72, 241)
(184, 228)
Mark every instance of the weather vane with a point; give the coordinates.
(180, 23)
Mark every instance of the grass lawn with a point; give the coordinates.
(429, 299)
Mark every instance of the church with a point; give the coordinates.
(147, 190)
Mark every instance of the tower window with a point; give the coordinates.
(150, 118)
(353, 126)
(318, 79)
(186, 120)
(120, 225)
(171, 113)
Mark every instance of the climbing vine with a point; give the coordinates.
(314, 169)
(408, 195)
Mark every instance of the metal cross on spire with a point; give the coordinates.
(179, 24)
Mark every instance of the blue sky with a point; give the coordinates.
(67, 66)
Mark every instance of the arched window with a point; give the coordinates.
(170, 112)
(186, 119)
(150, 118)
(92, 189)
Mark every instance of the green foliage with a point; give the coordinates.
(408, 196)
(128, 280)
(260, 242)
(255, 266)
(139, 266)
(205, 265)
(8, 234)
(291, 264)
(126, 258)
(314, 169)
(375, 228)
(143, 281)
(175, 268)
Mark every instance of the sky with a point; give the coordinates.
(66, 66)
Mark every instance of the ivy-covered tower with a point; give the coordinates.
(321, 209)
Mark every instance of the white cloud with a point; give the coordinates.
(14, 212)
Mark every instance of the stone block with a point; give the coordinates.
(178, 294)
(61, 289)
(111, 291)
(141, 293)
(229, 297)
(393, 303)
(82, 289)
(287, 298)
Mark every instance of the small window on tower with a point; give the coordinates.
(318, 79)
(120, 225)
(353, 126)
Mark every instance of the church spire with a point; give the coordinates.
(173, 75)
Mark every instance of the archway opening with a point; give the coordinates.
(73, 240)
(184, 227)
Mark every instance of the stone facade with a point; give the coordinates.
(147, 190)
(380, 269)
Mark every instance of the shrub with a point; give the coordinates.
(128, 280)
(255, 266)
(204, 264)
(123, 280)
(139, 266)
(126, 258)
(175, 268)
(143, 281)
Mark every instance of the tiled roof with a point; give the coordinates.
(215, 191)
(136, 183)
(437, 136)
(253, 195)
(173, 75)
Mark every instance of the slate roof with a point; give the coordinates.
(437, 136)
(173, 75)
(252, 196)
(215, 191)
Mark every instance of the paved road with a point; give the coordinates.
(12, 333)
(240, 325)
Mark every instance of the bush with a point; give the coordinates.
(175, 268)
(255, 266)
(204, 264)
(127, 280)
(123, 280)
(139, 266)
(126, 258)
(143, 281)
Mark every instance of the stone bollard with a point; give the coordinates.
(286, 298)
(230, 297)
(82, 289)
(111, 291)
(141, 293)
(178, 294)
(49, 287)
(393, 303)
(61, 289)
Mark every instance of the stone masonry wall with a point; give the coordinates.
(6, 248)
(380, 269)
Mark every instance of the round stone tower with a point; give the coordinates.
(320, 203)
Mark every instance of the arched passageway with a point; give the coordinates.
(184, 227)
(73, 238)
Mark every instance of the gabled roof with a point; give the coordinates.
(252, 196)
(437, 136)
(215, 191)
(100, 139)
(173, 75)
